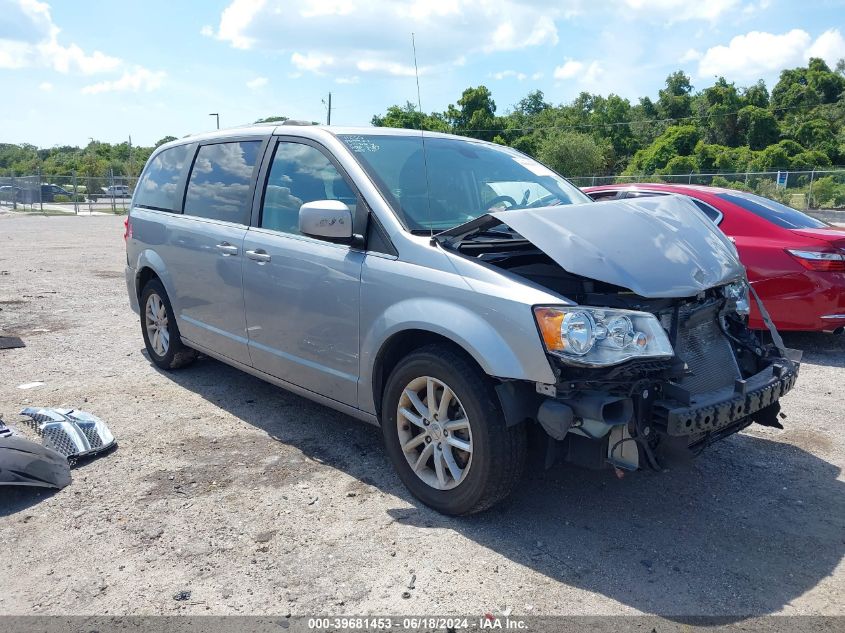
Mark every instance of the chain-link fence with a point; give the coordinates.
(804, 190)
(81, 194)
(73, 193)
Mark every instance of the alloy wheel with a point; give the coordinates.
(155, 320)
(434, 433)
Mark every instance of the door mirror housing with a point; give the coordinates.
(326, 219)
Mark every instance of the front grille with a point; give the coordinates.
(707, 352)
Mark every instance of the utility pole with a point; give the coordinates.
(328, 109)
(216, 114)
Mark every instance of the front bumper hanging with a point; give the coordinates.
(687, 414)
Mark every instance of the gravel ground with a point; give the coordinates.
(257, 501)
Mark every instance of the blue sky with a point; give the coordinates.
(75, 69)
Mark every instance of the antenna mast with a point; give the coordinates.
(422, 138)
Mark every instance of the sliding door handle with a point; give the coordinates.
(258, 255)
(227, 249)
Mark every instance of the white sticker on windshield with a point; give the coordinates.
(361, 145)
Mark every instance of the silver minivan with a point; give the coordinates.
(457, 293)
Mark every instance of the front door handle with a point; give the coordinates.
(227, 249)
(259, 255)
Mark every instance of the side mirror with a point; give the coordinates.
(326, 219)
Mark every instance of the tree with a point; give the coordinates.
(409, 117)
(272, 119)
(680, 165)
(532, 104)
(674, 101)
(757, 127)
(606, 119)
(571, 154)
(807, 87)
(756, 95)
(164, 140)
(717, 106)
(476, 114)
(678, 140)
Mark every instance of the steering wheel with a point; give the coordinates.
(544, 201)
(499, 199)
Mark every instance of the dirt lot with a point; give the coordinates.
(258, 501)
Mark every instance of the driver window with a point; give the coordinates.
(300, 173)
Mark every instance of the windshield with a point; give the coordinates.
(465, 179)
(774, 212)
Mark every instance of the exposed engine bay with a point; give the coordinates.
(718, 377)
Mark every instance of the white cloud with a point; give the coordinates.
(505, 74)
(235, 20)
(258, 82)
(374, 37)
(207, 30)
(593, 74)
(30, 39)
(671, 11)
(830, 46)
(570, 69)
(348, 80)
(46, 86)
(390, 68)
(312, 61)
(691, 55)
(63, 59)
(137, 79)
(757, 53)
(537, 75)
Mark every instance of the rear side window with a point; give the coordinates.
(644, 194)
(775, 212)
(709, 211)
(603, 195)
(159, 187)
(220, 186)
(300, 173)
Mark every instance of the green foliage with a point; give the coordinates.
(757, 127)
(675, 100)
(272, 119)
(723, 128)
(827, 193)
(678, 140)
(475, 115)
(572, 154)
(409, 117)
(680, 165)
(756, 95)
(717, 109)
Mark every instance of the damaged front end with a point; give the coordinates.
(651, 351)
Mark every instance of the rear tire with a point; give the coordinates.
(481, 459)
(158, 327)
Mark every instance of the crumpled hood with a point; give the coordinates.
(661, 246)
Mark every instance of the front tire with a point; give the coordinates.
(446, 435)
(158, 327)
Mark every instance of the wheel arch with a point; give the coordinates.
(400, 345)
(150, 265)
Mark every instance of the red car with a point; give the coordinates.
(795, 262)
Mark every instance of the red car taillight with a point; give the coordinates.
(127, 229)
(821, 260)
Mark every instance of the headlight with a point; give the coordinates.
(739, 294)
(601, 337)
